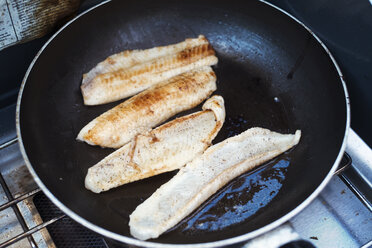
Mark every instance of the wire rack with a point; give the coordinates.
(57, 215)
(64, 231)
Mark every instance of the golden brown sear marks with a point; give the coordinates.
(131, 72)
(182, 58)
(140, 113)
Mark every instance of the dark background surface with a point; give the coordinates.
(344, 25)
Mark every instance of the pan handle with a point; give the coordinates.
(344, 164)
(283, 236)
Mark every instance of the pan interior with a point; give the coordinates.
(271, 72)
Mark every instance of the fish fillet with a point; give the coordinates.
(165, 148)
(203, 176)
(149, 108)
(130, 72)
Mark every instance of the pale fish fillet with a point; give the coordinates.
(203, 176)
(144, 111)
(165, 148)
(130, 72)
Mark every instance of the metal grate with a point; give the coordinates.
(66, 232)
(12, 203)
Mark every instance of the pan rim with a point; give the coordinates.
(225, 242)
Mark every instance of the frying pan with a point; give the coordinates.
(273, 72)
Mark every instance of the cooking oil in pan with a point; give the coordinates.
(240, 199)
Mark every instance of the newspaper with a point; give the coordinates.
(24, 20)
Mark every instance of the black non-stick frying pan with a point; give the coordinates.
(272, 72)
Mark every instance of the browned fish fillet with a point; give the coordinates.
(144, 111)
(127, 73)
(166, 148)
